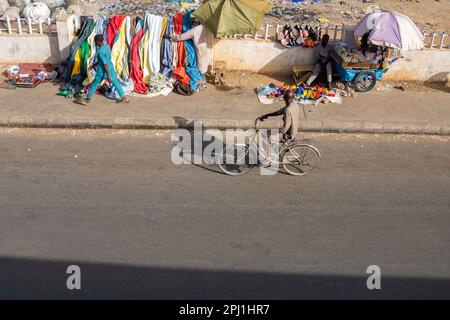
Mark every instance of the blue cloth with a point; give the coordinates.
(191, 69)
(126, 85)
(99, 25)
(104, 59)
(167, 52)
(105, 30)
(266, 90)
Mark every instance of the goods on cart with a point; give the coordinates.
(371, 57)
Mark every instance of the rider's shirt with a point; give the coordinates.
(290, 120)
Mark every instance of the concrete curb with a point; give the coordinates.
(328, 125)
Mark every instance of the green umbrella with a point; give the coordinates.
(230, 17)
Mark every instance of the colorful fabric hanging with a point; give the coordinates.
(166, 51)
(180, 72)
(91, 59)
(76, 63)
(136, 72)
(192, 69)
(86, 29)
(150, 45)
(119, 51)
(149, 58)
(105, 30)
(164, 23)
(113, 28)
(85, 50)
(100, 25)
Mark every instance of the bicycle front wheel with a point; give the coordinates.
(235, 161)
(299, 160)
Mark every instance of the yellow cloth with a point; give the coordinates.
(144, 49)
(163, 30)
(77, 63)
(119, 51)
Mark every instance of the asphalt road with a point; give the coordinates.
(139, 226)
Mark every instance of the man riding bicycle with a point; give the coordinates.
(290, 113)
(297, 158)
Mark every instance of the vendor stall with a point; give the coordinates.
(385, 34)
(363, 68)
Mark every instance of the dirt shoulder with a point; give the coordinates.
(430, 15)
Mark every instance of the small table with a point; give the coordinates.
(301, 72)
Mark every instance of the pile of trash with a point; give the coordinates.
(139, 7)
(292, 12)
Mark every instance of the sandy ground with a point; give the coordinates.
(429, 14)
(245, 80)
(248, 80)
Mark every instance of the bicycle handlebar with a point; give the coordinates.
(256, 123)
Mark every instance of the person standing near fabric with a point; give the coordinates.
(105, 71)
(202, 39)
(322, 52)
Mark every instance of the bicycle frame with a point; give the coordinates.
(262, 152)
(292, 152)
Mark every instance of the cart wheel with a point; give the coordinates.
(365, 81)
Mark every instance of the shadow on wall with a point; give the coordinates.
(282, 64)
(55, 55)
(265, 57)
(22, 278)
(440, 81)
(18, 49)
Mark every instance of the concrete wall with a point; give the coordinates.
(427, 65)
(38, 48)
(266, 57)
(271, 58)
(29, 48)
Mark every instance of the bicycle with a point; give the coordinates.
(298, 157)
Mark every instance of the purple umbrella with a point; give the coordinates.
(391, 29)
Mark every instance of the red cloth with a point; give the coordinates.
(180, 72)
(113, 27)
(136, 73)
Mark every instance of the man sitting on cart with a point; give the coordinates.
(324, 61)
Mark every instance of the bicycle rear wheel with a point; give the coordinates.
(235, 161)
(301, 159)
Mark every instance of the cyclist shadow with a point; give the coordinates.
(202, 153)
(197, 155)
